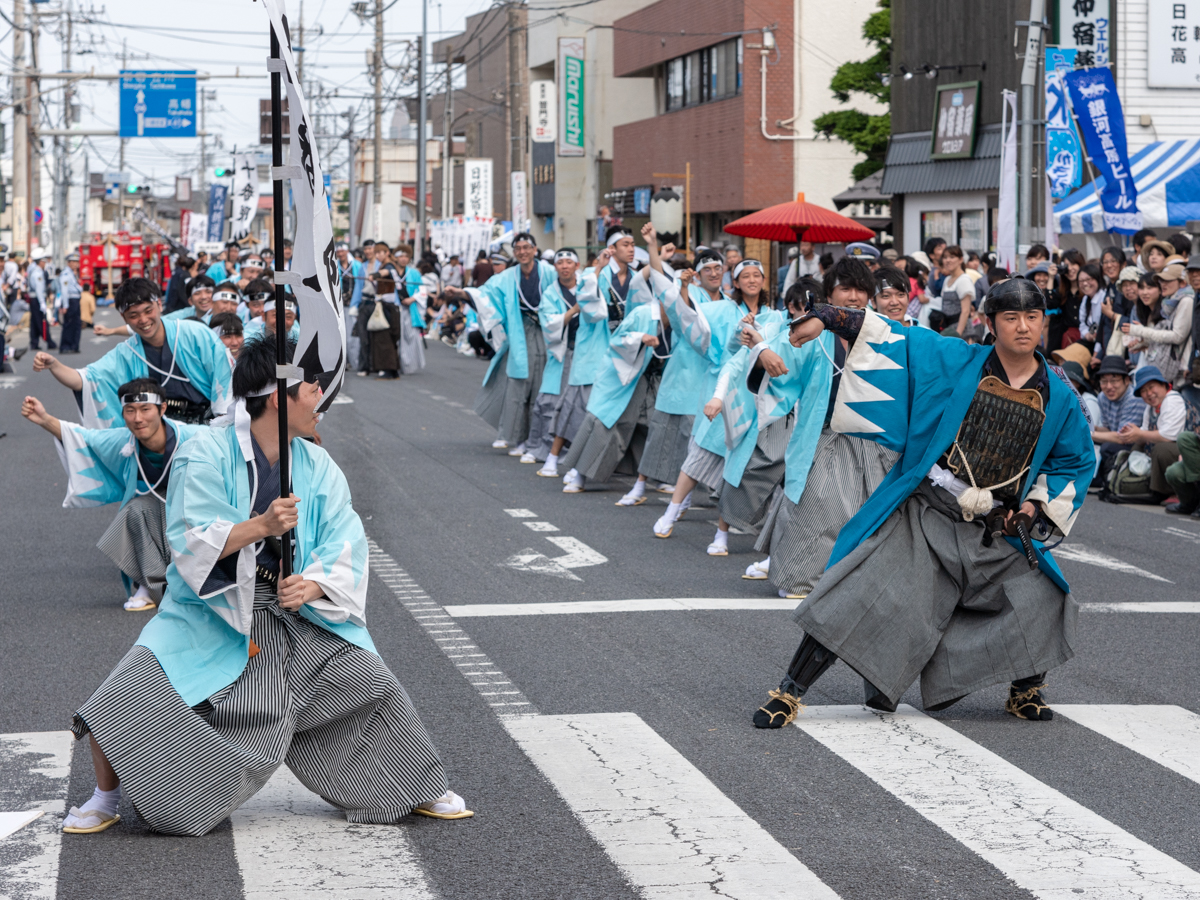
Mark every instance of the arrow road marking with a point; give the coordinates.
(530, 560)
(1081, 554)
(579, 555)
(1192, 536)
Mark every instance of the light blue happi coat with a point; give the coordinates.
(552, 311)
(591, 339)
(200, 358)
(188, 312)
(680, 393)
(910, 388)
(628, 359)
(102, 464)
(201, 635)
(217, 272)
(504, 308)
(255, 329)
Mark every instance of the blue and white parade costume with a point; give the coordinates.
(586, 350)
(962, 609)
(226, 685)
(192, 366)
(559, 340)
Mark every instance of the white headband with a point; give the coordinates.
(294, 375)
(616, 236)
(566, 254)
(269, 306)
(226, 296)
(753, 263)
(709, 261)
(144, 397)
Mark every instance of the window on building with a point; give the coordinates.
(972, 230)
(939, 223)
(713, 73)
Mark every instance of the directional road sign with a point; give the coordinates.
(158, 104)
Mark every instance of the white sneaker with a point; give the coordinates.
(575, 485)
(758, 571)
(664, 526)
(528, 458)
(499, 444)
(518, 450)
(548, 471)
(570, 476)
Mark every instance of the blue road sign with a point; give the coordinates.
(158, 105)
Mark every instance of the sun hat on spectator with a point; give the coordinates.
(1077, 353)
(1173, 272)
(1113, 365)
(1075, 372)
(1130, 273)
(1144, 376)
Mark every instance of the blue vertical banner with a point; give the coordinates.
(1064, 156)
(328, 191)
(1098, 110)
(217, 195)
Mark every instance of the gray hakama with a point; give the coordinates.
(331, 711)
(521, 393)
(489, 401)
(923, 597)
(571, 409)
(845, 471)
(703, 466)
(745, 507)
(598, 452)
(666, 446)
(541, 421)
(136, 541)
(411, 345)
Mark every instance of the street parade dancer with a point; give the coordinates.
(242, 671)
(187, 360)
(512, 303)
(944, 573)
(805, 520)
(130, 466)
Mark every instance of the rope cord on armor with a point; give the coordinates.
(976, 501)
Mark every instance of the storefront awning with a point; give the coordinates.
(1167, 176)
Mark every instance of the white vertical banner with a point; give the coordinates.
(1006, 240)
(243, 200)
(543, 112)
(520, 207)
(477, 186)
(1051, 231)
(314, 274)
(197, 230)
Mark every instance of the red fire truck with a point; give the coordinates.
(106, 260)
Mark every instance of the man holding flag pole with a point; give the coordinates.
(251, 664)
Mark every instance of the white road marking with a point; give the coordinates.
(455, 405)
(666, 826)
(341, 398)
(531, 560)
(1041, 839)
(98, 340)
(10, 382)
(521, 513)
(578, 555)
(1166, 606)
(11, 822)
(1081, 554)
(292, 845)
(578, 607)
(436, 397)
(36, 768)
(1169, 735)
(1193, 536)
(540, 526)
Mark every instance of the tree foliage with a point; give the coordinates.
(867, 134)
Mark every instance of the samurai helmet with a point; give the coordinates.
(1015, 295)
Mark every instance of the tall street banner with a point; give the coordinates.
(314, 275)
(543, 112)
(244, 203)
(520, 208)
(217, 194)
(1064, 156)
(1098, 109)
(1085, 26)
(570, 76)
(1006, 227)
(477, 188)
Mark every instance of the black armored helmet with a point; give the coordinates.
(1015, 295)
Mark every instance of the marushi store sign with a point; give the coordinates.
(571, 81)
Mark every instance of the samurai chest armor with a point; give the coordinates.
(997, 437)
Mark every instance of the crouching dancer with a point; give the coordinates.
(943, 573)
(239, 671)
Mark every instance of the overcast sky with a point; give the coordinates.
(218, 37)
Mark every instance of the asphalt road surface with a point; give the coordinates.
(590, 687)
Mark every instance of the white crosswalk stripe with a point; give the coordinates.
(36, 769)
(1047, 843)
(1169, 735)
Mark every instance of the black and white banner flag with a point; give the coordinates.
(314, 272)
(243, 200)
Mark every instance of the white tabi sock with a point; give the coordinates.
(722, 538)
(551, 461)
(686, 504)
(636, 493)
(105, 802)
(673, 511)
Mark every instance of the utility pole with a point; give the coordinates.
(377, 155)
(298, 48)
(20, 134)
(352, 141)
(62, 160)
(35, 107)
(512, 111)
(448, 139)
(121, 165)
(1033, 55)
(422, 147)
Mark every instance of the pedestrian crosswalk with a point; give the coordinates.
(666, 825)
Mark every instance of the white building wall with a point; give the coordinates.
(1172, 111)
(941, 201)
(609, 102)
(824, 39)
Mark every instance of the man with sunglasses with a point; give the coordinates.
(943, 574)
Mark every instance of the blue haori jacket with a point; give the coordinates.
(102, 464)
(591, 357)
(188, 312)
(551, 312)
(504, 302)
(200, 358)
(909, 389)
(201, 635)
(628, 359)
(680, 392)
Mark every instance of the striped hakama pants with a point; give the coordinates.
(571, 408)
(745, 506)
(598, 452)
(136, 542)
(489, 401)
(521, 395)
(331, 711)
(845, 471)
(666, 446)
(703, 466)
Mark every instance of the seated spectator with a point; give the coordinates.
(1083, 387)
(1184, 476)
(1119, 406)
(1162, 421)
